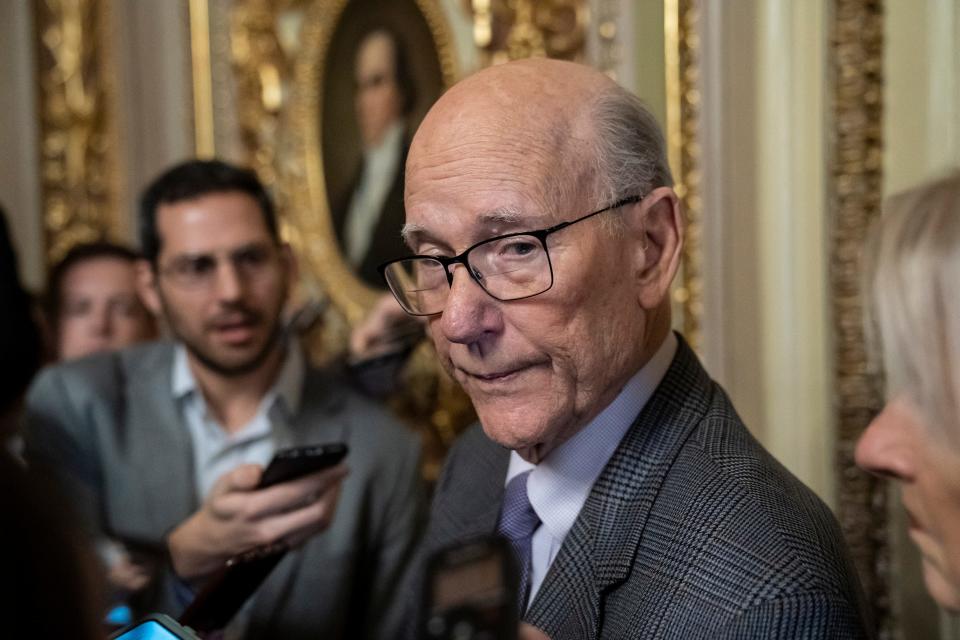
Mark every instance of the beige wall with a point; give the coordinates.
(154, 92)
(19, 178)
(765, 225)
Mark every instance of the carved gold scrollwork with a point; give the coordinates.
(264, 41)
(78, 137)
(682, 18)
(513, 29)
(856, 57)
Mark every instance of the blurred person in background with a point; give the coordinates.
(92, 303)
(914, 278)
(162, 445)
(21, 340)
(47, 586)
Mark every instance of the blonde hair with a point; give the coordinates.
(914, 286)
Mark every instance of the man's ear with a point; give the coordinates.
(656, 226)
(147, 287)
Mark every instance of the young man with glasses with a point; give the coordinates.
(163, 446)
(637, 502)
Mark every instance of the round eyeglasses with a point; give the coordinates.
(508, 267)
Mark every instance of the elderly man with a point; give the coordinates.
(546, 233)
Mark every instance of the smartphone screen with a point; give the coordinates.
(156, 627)
(149, 630)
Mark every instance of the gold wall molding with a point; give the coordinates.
(202, 76)
(263, 56)
(609, 50)
(514, 29)
(682, 40)
(855, 191)
(79, 145)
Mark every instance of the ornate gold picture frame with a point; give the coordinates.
(331, 32)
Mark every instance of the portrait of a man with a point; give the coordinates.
(382, 75)
(369, 214)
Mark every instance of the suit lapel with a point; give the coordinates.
(158, 445)
(318, 420)
(469, 496)
(599, 550)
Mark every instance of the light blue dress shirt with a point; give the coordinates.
(559, 486)
(217, 451)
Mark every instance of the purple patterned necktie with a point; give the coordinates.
(517, 523)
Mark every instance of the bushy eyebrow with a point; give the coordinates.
(487, 223)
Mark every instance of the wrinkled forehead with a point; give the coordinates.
(211, 223)
(497, 171)
(487, 184)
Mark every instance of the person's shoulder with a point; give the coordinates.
(370, 421)
(726, 449)
(754, 503)
(105, 372)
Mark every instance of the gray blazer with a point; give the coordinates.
(109, 427)
(691, 531)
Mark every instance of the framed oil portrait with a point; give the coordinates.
(367, 73)
(382, 74)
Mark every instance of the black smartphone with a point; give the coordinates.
(223, 594)
(293, 463)
(470, 592)
(156, 627)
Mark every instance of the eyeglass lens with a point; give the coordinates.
(507, 268)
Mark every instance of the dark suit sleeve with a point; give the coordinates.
(402, 519)
(803, 615)
(60, 442)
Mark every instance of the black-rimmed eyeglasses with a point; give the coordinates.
(508, 267)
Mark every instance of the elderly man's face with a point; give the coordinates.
(536, 369)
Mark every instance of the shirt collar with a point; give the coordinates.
(288, 386)
(559, 486)
(389, 147)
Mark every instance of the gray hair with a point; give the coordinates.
(913, 275)
(629, 147)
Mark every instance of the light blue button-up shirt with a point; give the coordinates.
(559, 486)
(217, 451)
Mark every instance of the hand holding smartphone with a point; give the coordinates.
(231, 586)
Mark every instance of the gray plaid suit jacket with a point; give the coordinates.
(691, 531)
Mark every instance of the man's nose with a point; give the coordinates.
(229, 282)
(102, 320)
(883, 448)
(470, 314)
